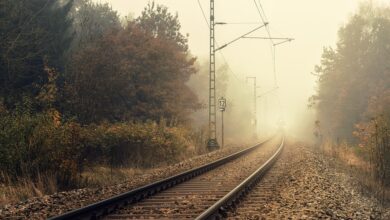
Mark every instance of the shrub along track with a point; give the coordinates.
(201, 188)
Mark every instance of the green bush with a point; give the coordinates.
(34, 145)
(135, 144)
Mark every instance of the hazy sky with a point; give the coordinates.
(313, 24)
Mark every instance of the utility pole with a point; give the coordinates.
(255, 87)
(212, 143)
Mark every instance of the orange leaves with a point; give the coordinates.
(56, 117)
(48, 92)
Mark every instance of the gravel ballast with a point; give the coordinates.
(303, 184)
(306, 186)
(56, 204)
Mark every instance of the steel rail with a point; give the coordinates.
(105, 207)
(229, 201)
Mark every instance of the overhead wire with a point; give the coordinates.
(264, 20)
(204, 14)
(240, 37)
(241, 23)
(262, 9)
(261, 12)
(220, 52)
(263, 17)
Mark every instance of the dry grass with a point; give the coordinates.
(24, 188)
(345, 154)
(358, 167)
(103, 176)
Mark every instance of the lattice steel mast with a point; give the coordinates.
(212, 142)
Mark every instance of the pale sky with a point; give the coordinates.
(312, 23)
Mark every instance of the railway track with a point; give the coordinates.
(258, 203)
(203, 193)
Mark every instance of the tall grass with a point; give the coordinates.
(368, 160)
(23, 188)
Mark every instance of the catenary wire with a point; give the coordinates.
(220, 52)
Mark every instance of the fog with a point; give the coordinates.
(313, 25)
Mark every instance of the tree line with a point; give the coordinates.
(104, 69)
(81, 85)
(353, 97)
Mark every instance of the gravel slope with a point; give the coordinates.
(304, 185)
(52, 205)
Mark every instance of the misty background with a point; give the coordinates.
(313, 25)
(94, 90)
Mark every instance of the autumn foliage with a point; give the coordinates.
(131, 74)
(81, 87)
(353, 99)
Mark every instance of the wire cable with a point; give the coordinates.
(240, 37)
(267, 28)
(281, 109)
(262, 9)
(241, 23)
(220, 52)
(204, 14)
(263, 17)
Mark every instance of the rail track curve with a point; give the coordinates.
(216, 210)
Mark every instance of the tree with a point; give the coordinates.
(355, 77)
(98, 86)
(91, 20)
(164, 82)
(130, 74)
(32, 31)
(158, 21)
